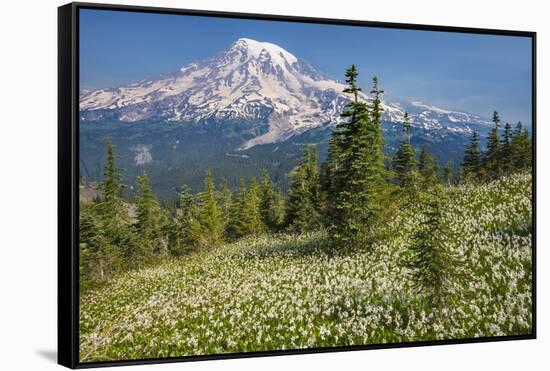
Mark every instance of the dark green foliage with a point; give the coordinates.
(252, 214)
(521, 148)
(471, 165)
(181, 239)
(207, 229)
(97, 257)
(506, 150)
(152, 223)
(271, 204)
(404, 162)
(433, 264)
(303, 209)
(448, 177)
(113, 209)
(246, 216)
(106, 238)
(492, 165)
(376, 170)
(225, 200)
(237, 227)
(351, 80)
(504, 155)
(110, 215)
(355, 175)
(407, 129)
(428, 168)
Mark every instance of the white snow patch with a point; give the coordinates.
(143, 154)
(431, 108)
(255, 48)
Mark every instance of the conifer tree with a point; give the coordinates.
(527, 148)
(404, 162)
(97, 257)
(448, 173)
(407, 128)
(471, 165)
(314, 181)
(428, 168)
(279, 213)
(246, 216)
(237, 224)
(182, 237)
(328, 181)
(304, 197)
(491, 160)
(521, 148)
(356, 168)
(376, 170)
(112, 207)
(208, 228)
(270, 203)
(151, 222)
(112, 210)
(252, 212)
(433, 263)
(505, 157)
(225, 200)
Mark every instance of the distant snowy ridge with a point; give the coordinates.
(251, 80)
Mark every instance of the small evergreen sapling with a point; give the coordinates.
(433, 264)
(471, 165)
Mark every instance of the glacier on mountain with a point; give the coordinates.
(255, 81)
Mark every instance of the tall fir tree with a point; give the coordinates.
(433, 263)
(404, 162)
(252, 208)
(225, 200)
(448, 177)
(428, 168)
(521, 148)
(407, 128)
(237, 224)
(246, 216)
(185, 212)
(113, 209)
(356, 168)
(505, 157)
(491, 160)
(377, 171)
(471, 165)
(271, 207)
(207, 229)
(151, 222)
(304, 197)
(314, 181)
(97, 257)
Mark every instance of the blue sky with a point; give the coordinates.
(474, 73)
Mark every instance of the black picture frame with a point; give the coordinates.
(68, 179)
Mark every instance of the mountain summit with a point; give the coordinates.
(256, 82)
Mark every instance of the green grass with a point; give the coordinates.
(290, 292)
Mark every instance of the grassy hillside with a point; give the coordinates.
(288, 292)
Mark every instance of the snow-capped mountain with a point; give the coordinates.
(255, 81)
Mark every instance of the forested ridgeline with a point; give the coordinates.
(349, 196)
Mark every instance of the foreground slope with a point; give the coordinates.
(288, 292)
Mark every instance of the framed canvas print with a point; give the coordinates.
(235, 185)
